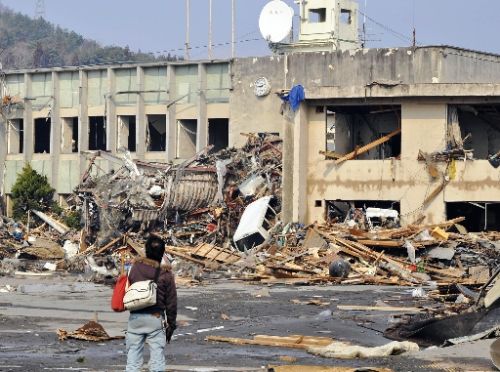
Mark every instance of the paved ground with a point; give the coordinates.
(40, 305)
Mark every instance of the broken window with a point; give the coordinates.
(363, 132)
(345, 16)
(42, 136)
(69, 135)
(187, 131)
(15, 134)
(474, 128)
(97, 133)
(157, 133)
(218, 133)
(127, 133)
(479, 216)
(365, 214)
(317, 15)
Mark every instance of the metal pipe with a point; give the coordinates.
(210, 56)
(188, 18)
(233, 29)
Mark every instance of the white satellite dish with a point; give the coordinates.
(275, 21)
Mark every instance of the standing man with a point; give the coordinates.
(147, 324)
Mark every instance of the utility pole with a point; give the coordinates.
(233, 29)
(210, 52)
(188, 18)
(39, 9)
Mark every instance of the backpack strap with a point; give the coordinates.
(157, 273)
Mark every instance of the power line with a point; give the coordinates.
(397, 34)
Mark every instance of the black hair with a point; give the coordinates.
(155, 248)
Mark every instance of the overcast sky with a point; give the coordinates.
(158, 25)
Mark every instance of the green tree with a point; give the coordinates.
(31, 191)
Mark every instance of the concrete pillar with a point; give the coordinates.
(287, 181)
(55, 120)
(83, 113)
(28, 120)
(423, 128)
(171, 120)
(202, 133)
(300, 151)
(3, 153)
(141, 120)
(111, 129)
(83, 121)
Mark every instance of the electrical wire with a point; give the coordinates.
(397, 34)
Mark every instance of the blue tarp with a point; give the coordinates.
(295, 96)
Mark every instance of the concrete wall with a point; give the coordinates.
(405, 180)
(111, 91)
(249, 113)
(423, 81)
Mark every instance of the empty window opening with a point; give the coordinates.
(157, 133)
(345, 16)
(317, 15)
(318, 203)
(42, 135)
(97, 133)
(479, 216)
(364, 214)
(474, 128)
(127, 134)
(218, 133)
(15, 135)
(69, 135)
(330, 131)
(363, 132)
(187, 131)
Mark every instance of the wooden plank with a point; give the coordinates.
(382, 243)
(214, 253)
(302, 368)
(368, 147)
(293, 342)
(136, 247)
(330, 154)
(435, 193)
(379, 308)
(187, 257)
(109, 245)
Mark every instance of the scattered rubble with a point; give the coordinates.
(220, 214)
(91, 331)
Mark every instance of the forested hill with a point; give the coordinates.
(31, 43)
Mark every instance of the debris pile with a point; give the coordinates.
(199, 200)
(220, 214)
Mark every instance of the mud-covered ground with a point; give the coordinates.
(30, 315)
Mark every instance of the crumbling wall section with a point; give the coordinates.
(248, 112)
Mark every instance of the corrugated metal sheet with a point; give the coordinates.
(186, 190)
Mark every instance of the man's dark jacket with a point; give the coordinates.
(166, 294)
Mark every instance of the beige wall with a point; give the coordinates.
(405, 180)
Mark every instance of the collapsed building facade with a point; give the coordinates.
(410, 129)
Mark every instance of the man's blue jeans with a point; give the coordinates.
(142, 328)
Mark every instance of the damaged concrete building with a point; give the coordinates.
(410, 129)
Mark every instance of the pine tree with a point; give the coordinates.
(31, 191)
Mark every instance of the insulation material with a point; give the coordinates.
(342, 350)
